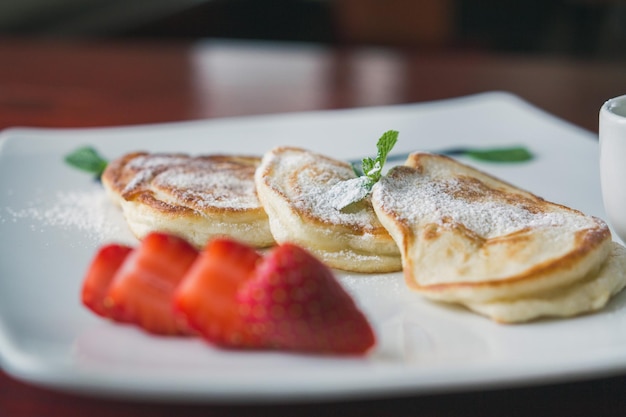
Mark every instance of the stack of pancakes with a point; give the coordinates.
(472, 239)
(459, 235)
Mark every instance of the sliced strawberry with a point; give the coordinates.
(294, 302)
(206, 297)
(99, 276)
(142, 289)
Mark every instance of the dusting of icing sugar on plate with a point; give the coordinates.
(89, 212)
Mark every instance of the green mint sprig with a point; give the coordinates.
(504, 154)
(351, 191)
(87, 159)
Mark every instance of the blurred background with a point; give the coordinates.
(583, 28)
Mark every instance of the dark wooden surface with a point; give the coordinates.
(52, 84)
(55, 84)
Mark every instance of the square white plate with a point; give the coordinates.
(52, 219)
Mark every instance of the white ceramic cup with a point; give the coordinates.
(613, 162)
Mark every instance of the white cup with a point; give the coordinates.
(613, 162)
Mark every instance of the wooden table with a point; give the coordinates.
(95, 84)
(54, 84)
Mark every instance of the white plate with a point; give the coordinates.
(52, 219)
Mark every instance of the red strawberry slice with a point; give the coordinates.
(142, 289)
(294, 302)
(99, 276)
(206, 297)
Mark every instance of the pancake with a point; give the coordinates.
(294, 186)
(583, 296)
(195, 197)
(469, 238)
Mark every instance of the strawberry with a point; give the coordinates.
(294, 302)
(142, 289)
(206, 297)
(99, 276)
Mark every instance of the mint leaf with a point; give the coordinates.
(374, 169)
(87, 159)
(513, 154)
(367, 165)
(351, 191)
(385, 145)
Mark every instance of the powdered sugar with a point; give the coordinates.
(419, 199)
(212, 189)
(146, 167)
(158, 161)
(308, 179)
(89, 212)
(199, 182)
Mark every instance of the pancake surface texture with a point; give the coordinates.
(196, 197)
(469, 238)
(294, 185)
(588, 294)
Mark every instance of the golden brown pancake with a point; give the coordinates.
(295, 186)
(588, 294)
(196, 197)
(469, 238)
